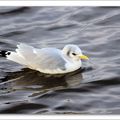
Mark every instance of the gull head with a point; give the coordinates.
(74, 52)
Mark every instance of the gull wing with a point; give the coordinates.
(39, 59)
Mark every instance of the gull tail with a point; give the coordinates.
(22, 55)
(4, 53)
(13, 56)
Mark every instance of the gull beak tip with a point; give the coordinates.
(84, 57)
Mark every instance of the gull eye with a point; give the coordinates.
(73, 54)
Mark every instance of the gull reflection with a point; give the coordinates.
(31, 80)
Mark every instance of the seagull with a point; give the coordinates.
(47, 60)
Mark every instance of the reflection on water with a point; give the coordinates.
(28, 79)
(37, 83)
(93, 89)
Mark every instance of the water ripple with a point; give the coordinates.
(94, 89)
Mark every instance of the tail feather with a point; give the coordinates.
(22, 55)
(16, 58)
(4, 53)
(25, 51)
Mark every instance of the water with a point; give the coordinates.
(94, 89)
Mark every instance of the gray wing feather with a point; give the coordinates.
(46, 58)
(25, 51)
(49, 59)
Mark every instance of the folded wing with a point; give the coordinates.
(39, 59)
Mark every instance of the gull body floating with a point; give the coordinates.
(47, 60)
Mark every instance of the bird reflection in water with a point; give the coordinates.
(31, 80)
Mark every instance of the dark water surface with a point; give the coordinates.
(95, 89)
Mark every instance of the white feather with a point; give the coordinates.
(16, 58)
(23, 54)
(46, 60)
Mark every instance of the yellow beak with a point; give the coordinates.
(83, 57)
